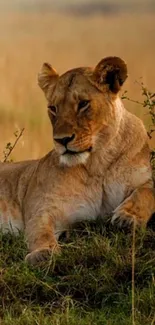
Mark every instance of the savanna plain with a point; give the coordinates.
(91, 282)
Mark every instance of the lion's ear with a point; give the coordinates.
(111, 71)
(47, 77)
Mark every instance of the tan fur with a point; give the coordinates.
(107, 173)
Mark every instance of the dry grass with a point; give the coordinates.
(28, 39)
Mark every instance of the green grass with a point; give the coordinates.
(89, 283)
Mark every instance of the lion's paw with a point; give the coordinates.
(122, 218)
(39, 255)
(125, 217)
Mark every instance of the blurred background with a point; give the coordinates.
(67, 34)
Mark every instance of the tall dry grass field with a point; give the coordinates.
(66, 41)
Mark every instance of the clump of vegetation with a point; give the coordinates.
(90, 283)
(149, 104)
(10, 146)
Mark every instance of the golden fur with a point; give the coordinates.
(100, 164)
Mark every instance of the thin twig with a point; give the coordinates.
(153, 320)
(13, 146)
(133, 272)
(132, 100)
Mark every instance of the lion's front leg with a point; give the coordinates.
(138, 207)
(41, 239)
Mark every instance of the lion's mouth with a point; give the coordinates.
(71, 152)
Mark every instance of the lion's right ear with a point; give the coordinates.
(47, 77)
(111, 72)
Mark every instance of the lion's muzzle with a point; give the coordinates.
(65, 140)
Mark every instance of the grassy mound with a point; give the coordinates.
(90, 283)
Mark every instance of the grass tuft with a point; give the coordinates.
(90, 283)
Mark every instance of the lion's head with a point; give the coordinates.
(82, 107)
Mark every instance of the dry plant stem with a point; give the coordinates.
(153, 321)
(133, 272)
(132, 100)
(13, 146)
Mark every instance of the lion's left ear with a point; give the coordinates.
(111, 71)
(47, 77)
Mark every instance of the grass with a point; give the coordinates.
(90, 283)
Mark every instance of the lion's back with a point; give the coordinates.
(14, 179)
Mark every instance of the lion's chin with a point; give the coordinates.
(74, 159)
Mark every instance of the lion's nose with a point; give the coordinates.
(64, 141)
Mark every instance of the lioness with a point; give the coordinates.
(100, 164)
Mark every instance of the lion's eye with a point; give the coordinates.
(52, 109)
(83, 104)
